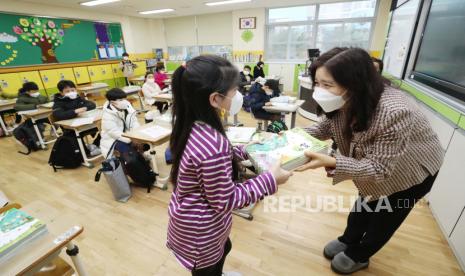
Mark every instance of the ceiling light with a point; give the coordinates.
(226, 2)
(156, 11)
(98, 2)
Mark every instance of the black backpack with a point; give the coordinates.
(65, 153)
(27, 136)
(276, 126)
(135, 166)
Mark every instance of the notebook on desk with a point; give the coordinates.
(16, 229)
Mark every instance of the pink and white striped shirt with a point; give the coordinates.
(200, 208)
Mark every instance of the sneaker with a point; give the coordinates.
(231, 273)
(95, 152)
(333, 248)
(342, 264)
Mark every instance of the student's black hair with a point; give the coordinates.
(273, 85)
(125, 54)
(64, 84)
(115, 94)
(28, 86)
(380, 64)
(192, 86)
(247, 67)
(159, 68)
(353, 69)
(260, 63)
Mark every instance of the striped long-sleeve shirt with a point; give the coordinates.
(397, 151)
(200, 208)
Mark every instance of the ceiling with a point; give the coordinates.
(182, 7)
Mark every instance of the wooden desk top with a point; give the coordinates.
(6, 104)
(94, 86)
(137, 136)
(131, 89)
(36, 251)
(41, 112)
(164, 97)
(140, 78)
(68, 123)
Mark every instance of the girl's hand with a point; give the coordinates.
(317, 160)
(279, 174)
(268, 103)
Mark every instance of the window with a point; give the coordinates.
(292, 30)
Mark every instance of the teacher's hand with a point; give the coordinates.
(317, 160)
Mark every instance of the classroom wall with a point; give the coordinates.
(381, 28)
(135, 29)
(258, 41)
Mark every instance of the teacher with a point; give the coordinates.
(383, 143)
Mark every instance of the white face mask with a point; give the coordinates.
(327, 100)
(35, 94)
(269, 92)
(126, 58)
(236, 103)
(122, 105)
(246, 73)
(150, 80)
(72, 95)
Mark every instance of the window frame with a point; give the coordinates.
(315, 24)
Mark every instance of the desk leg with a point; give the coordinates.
(142, 106)
(83, 151)
(39, 135)
(2, 124)
(73, 251)
(161, 183)
(236, 121)
(293, 117)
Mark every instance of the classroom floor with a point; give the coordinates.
(129, 239)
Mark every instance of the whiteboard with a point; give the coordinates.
(399, 37)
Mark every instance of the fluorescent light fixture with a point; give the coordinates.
(226, 2)
(156, 11)
(98, 2)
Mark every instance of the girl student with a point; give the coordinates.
(205, 166)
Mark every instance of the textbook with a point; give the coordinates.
(16, 229)
(287, 147)
(240, 135)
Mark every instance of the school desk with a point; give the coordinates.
(32, 256)
(285, 108)
(34, 116)
(164, 97)
(137, 80)
(138, 136)
(6, 105)
(70, 124)
(135, 90)
(94, 88)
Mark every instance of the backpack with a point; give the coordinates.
(136, 167)
(27, 136)
(65, 153)
(276, 126)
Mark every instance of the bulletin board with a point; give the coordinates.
(399, 40)
(32, 40)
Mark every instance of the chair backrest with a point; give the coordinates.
(10, 206)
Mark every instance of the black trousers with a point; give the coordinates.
(216, 269)
(369, 229)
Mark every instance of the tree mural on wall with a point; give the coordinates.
(43, 33)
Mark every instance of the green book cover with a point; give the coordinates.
(288, 147)
(17, 227)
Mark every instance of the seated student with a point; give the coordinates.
(28, 99)
(262, 97)
(150, 89)
(118, 117)
(258, 70)
(246, 79)
(68, 105)
(160, 76)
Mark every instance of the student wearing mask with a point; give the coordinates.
(246, 78)
(29, 97)
(262, 97)
(118, 117)
(68, 105)
(385, 146)
(258, 70)
(127, 66)
(205, 166)
(160, 76)
(150, 89)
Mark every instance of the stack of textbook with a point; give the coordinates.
(17, 229)
(287, 147)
